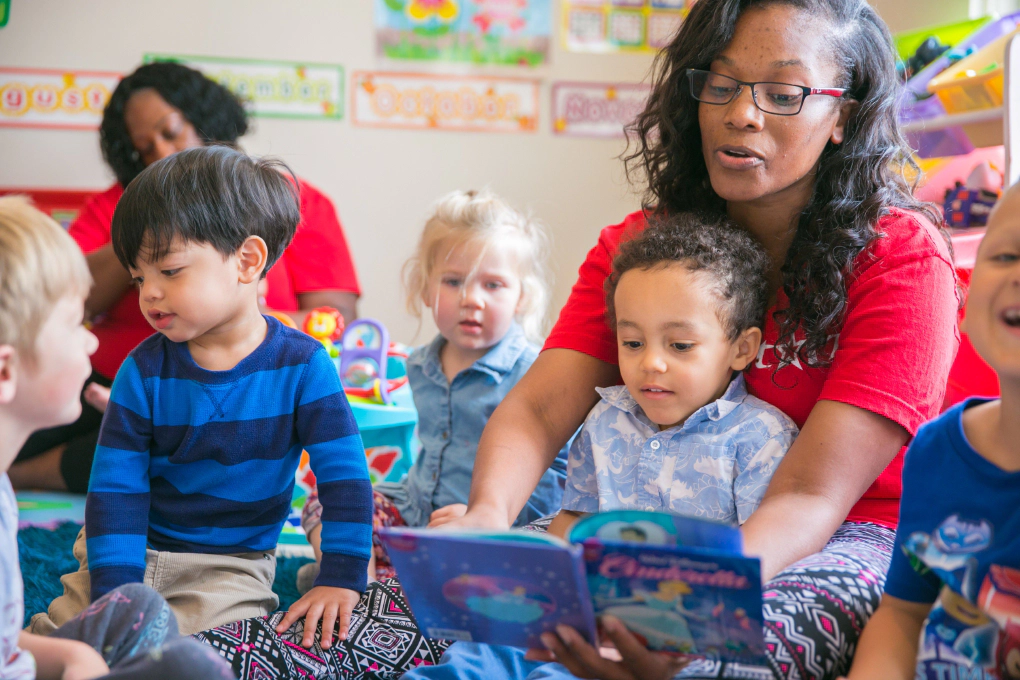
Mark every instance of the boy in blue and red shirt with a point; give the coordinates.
(194, 471)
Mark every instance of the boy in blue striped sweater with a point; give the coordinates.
(194, 471)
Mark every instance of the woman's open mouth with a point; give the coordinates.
(738, 157)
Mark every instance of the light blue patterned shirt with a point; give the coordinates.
(716, 465)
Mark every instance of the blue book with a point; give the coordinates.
(681, 585)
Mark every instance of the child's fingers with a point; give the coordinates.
(311, 622)
(345, 623)
(297, 610)
(328, 621)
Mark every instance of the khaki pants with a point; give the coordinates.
(204, 591)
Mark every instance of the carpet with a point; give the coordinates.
(46, 556)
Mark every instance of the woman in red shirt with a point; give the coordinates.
(751, 113)
(158, 110)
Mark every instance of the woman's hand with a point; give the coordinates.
(446, 514)
(325, 603)
(635, 663)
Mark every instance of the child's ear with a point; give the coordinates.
(251, 259)
(746, 348)
(8, 373)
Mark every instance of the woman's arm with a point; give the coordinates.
(343, 301)
(840, 451)
(528, 429)
(888, 647)
(110, 280)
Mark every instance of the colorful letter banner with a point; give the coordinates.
(501, 32)
(421, 101)
(49, 98)
(621, 25)
(595, 109)
(275, 89)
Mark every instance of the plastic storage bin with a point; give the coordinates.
(975, 83)
(917, 104)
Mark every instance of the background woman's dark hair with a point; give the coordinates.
(735, 262)
(857, 181)
(216, 113)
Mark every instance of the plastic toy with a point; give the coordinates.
(326, 325)
(282, 318)
(363, 362)
(968, 205)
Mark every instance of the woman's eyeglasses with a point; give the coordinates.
(780, 99)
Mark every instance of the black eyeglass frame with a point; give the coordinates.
(807, 91)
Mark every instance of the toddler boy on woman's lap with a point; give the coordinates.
(207, 419)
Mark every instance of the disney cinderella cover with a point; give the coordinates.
(681, 585)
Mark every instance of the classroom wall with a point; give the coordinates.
(382, 181)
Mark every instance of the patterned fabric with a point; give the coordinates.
(176, 438)
(451, 417)
(384, 641)
(816, 609)
(716, 465)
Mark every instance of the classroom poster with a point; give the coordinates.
(595, 109)
(275, 89)
(438, 102)
(621, 25)
(51, 98)
(500, 32)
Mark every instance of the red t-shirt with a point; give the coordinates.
(317, 259)
(892, 355)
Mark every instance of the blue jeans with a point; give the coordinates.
(473, 661)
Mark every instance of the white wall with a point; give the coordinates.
(382, 181)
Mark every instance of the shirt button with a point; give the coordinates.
(446, 435)
(655, 445)
(650, 509)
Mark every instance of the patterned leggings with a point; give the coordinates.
(814, 612)
(816, 608)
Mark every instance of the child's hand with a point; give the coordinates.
(328, 604)
(447, 514)
(86, 664)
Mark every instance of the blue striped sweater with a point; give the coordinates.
(191, 460)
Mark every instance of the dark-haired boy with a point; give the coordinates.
(687, 298)
(207, 419)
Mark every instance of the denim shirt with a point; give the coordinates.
(451, 417)
(715, 465)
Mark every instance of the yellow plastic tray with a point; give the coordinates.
(976, 82)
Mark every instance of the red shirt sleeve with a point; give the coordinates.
(582, 325)
(318, 258)
(91, 229)
(900, 336)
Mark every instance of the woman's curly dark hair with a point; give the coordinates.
(218, 115)
(856, 181)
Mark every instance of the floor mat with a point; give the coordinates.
(46, 555)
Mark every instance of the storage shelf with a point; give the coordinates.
(955, 119)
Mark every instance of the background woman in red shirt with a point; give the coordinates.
(158, 110)
(858, 343)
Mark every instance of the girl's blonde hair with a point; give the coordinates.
(39, 264)
(481, 217)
